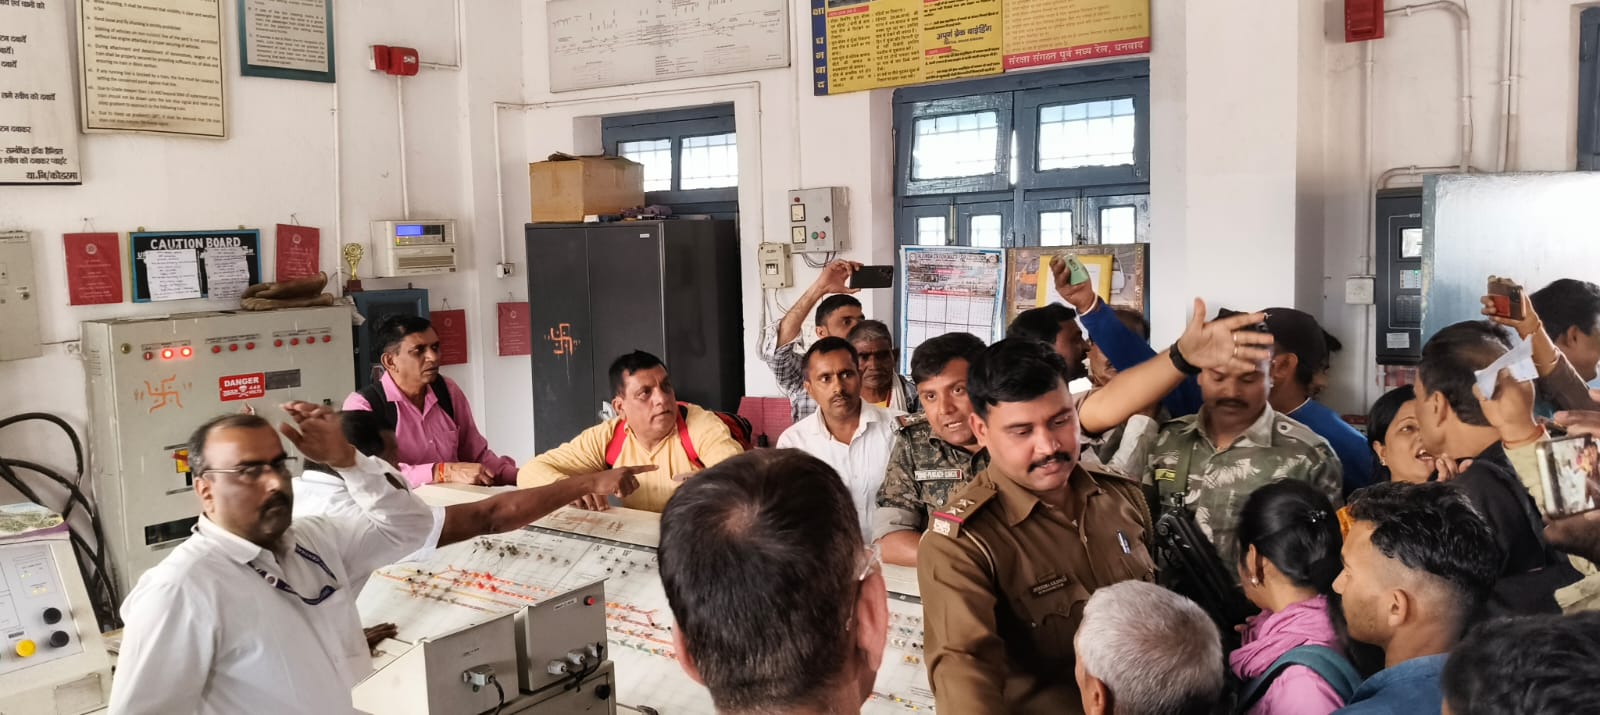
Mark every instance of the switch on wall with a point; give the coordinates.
(19, 303)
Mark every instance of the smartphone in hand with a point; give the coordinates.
(872, 277)
(1507, 298)
(1569, 471)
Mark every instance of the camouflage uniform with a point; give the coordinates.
(1274, 447)
(923, 471)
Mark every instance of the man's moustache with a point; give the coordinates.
(1061, 457)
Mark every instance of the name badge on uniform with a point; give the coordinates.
(1166, 475)
(1123, 540)
(936, 475)
(1049, 586)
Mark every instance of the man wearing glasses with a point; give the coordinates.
(254, 613)
(780, 606)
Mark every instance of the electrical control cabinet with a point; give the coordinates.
(152, 381)
(1399, 296)
(819, 220)
(51, 657)
(19, 305)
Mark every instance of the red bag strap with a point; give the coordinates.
(620, 435)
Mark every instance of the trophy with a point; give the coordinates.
(352, 257)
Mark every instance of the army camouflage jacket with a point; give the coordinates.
(1274, 447)
(923, 471)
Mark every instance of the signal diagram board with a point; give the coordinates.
(473, 581)
(606, 43)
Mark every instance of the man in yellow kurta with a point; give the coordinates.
(657, 438)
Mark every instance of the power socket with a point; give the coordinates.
(505, 270)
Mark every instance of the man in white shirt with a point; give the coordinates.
(254, 612)
(851, 436)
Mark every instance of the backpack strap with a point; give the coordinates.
(1334, 669)
(441, 392)
(683, 437)
(620, 435)
(379, 402)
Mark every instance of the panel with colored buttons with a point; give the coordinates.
(36, 624)
(818, 220)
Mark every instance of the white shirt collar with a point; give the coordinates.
(870, 414)
(230, 544)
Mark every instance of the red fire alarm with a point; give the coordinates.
(398, 61)
(1363, 20)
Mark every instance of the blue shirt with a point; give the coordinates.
(1405, 689)
(1354, 454)
(1124, 349)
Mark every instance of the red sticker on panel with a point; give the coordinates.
(242, 387)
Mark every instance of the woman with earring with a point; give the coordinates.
(1392, 433)
(1293, 658)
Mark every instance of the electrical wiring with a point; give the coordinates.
(97, 579)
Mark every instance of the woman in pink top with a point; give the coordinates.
(1288, 558)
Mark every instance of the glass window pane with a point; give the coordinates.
(710, 162)
(1116, 224)
(1097, 133)
(930, 231)
(955, 145)
(1055, 228)
(656, 155)
(985, 231)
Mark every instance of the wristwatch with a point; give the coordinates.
(1180, 363)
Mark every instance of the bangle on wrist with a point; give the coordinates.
(1180, 363)
(438, 472)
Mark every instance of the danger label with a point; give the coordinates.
(242, 387)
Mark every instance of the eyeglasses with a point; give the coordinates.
(251, 471)
(871, 561)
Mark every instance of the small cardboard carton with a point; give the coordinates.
(566, 188)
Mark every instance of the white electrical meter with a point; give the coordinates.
(413, 248)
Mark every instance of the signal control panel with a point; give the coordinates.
(51, 656)
(152, 381)
(819, 220)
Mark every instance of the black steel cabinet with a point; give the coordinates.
(597, 291)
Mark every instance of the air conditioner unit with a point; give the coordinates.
(413, 248)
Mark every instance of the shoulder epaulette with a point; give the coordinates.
(949, 519)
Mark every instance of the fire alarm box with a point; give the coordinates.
(398, 61)
(1363, 20)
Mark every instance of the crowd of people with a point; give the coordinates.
(1097, 526)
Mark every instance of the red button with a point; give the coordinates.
(327, 338)
(277, 343)
(186, 352)
(216, 349)
(233, 347)
(822, 234)
(294, 341)
(149, 356)
(166, 354)
(249, 346)
(588, 600)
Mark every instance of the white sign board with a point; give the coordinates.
(38, 134)
(152, 66)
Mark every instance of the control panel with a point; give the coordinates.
(413, 248)
(152, 381)
(819, 220)
(51, 656)
(1399, 294)
(562, 637)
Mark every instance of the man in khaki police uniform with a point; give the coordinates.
(1016, 553)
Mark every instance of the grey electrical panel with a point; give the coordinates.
(1399, 294)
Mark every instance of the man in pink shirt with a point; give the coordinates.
(430, 416)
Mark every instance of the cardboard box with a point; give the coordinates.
(567, 188)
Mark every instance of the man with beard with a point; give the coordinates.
(1211, 461)
(432, 422)
(1013, 556)
(255, 612)
(880, 385)
(848, 434)
(1056, 325)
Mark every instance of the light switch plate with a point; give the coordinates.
(1358, 290)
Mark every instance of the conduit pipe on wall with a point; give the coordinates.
(1510, 87)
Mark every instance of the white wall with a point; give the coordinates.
(279, 160)
(1416, 106)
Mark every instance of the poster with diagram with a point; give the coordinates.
(949, 290)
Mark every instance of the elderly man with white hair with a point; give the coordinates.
(1144, 650)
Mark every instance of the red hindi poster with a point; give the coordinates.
(516, 333)
(451, 325)
(299, 253)
(94, 268)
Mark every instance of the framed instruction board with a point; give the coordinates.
(194, 264)
(949, 290)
